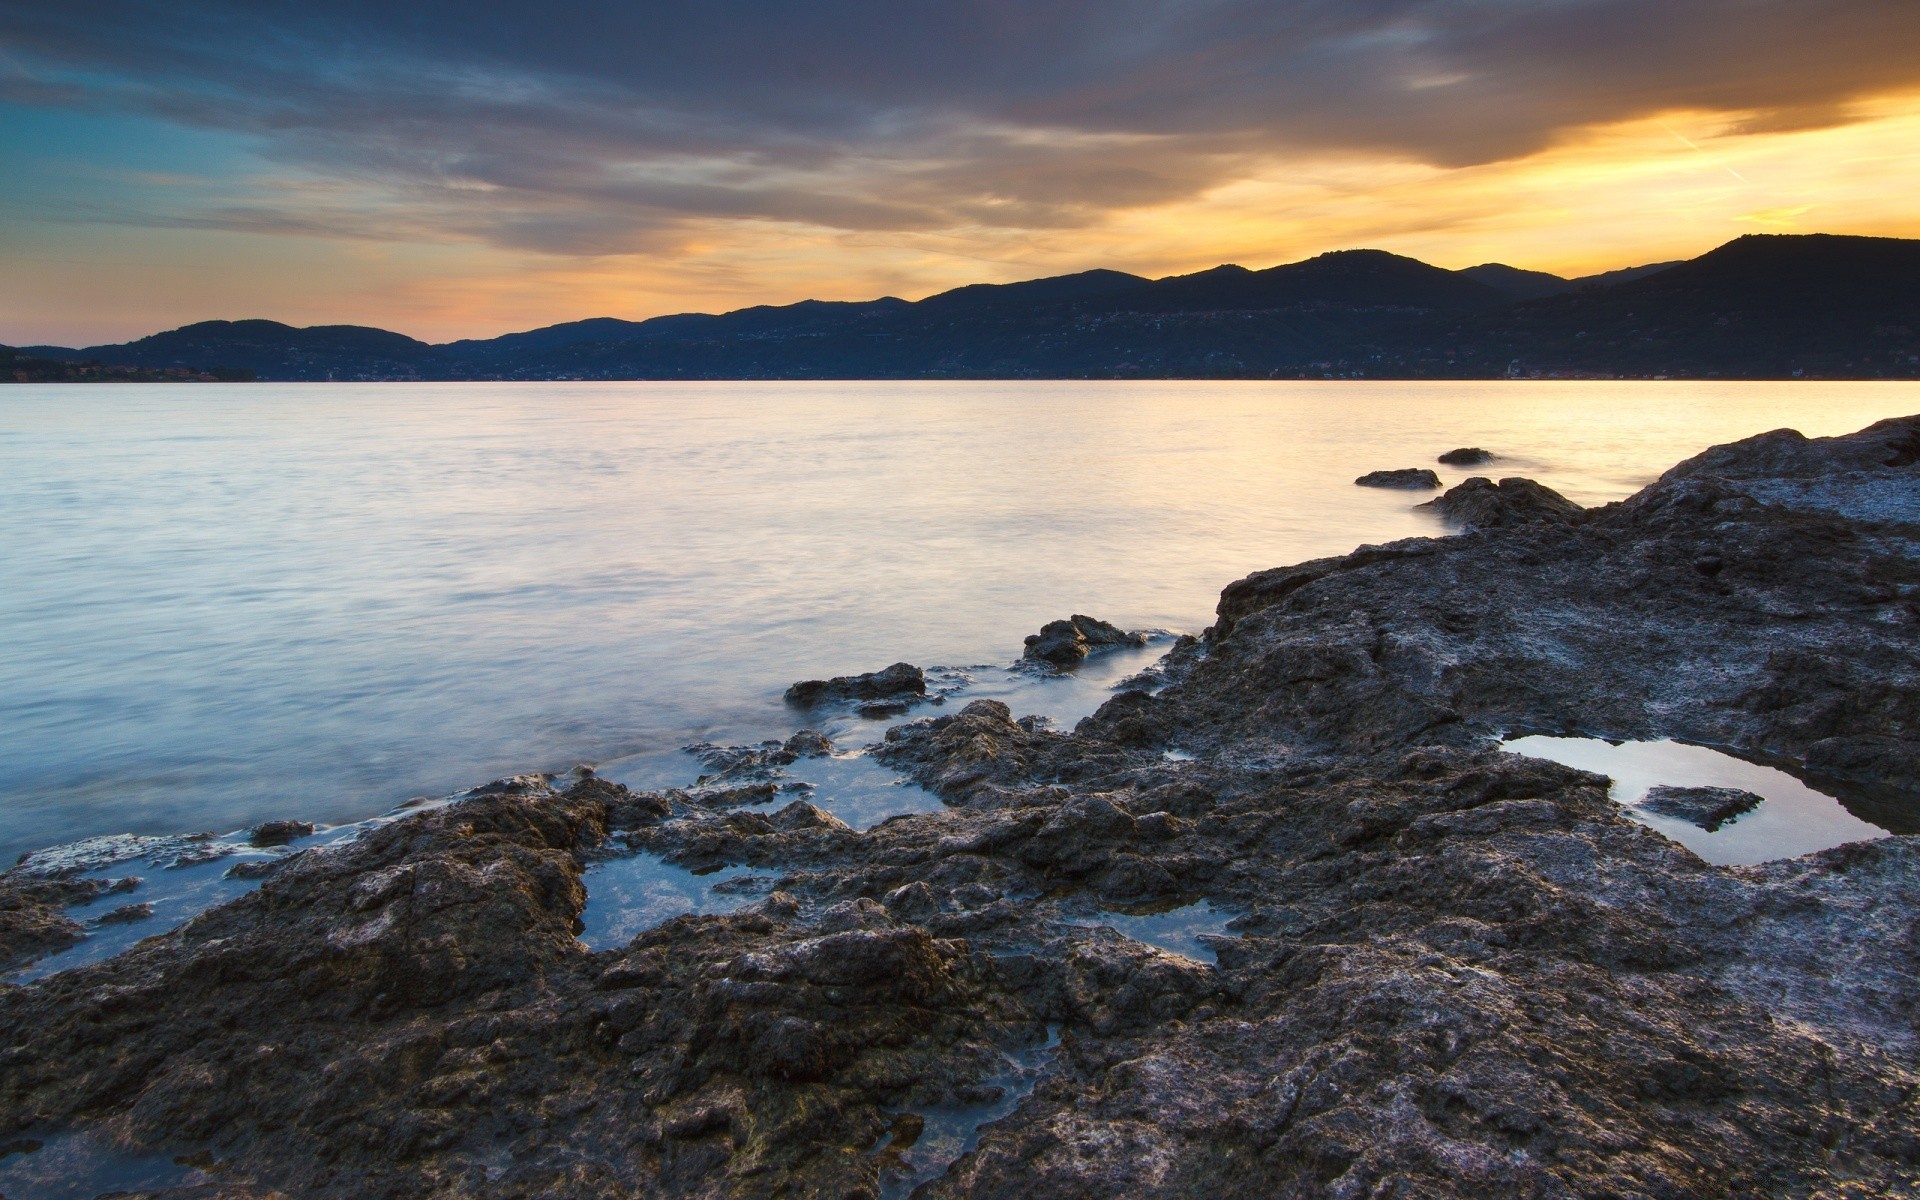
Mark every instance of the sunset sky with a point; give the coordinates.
(465, 169)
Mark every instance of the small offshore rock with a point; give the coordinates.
(126, 914)
(1410, 478)
(1466, 456)
(1480, 503)
(881, 708)
(1707, 807)
(279, 833)
(1069, 642)
(899, 680)
(809, 743)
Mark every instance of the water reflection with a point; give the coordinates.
(229, 604)
(1185, 930)
(1794, 819)
(630, 895)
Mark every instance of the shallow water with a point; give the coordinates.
(1793, 819)
(78, 1166)
(918, 1154)
(228, 604)
(629, 895)
(1184, 930)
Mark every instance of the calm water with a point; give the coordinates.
(220, 605)
(1792, 818)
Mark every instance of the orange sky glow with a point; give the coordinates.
(1599, 197)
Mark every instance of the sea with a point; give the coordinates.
(225, 604)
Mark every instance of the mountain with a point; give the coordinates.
(272, 351)
(1516, 284)
(1761, 306)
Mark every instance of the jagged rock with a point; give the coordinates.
(1466, 456)
(809, 743)
(1068, 643)
(1707, 807)
(1410, 478)
(895, 682)
(1480, 503)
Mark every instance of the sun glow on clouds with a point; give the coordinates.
(296, 247)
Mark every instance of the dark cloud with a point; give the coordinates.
(592, 127)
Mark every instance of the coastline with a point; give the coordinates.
(1446, 968)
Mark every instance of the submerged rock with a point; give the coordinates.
(1466, 456)
(1410, 478)
(1480, 503)
(1707, 807)
(1068, 643)
(898, 681)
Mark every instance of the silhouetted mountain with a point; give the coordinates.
(1764, 306)
(273, 351)
(1516, 284)
(1623, 275)
(1760, 306)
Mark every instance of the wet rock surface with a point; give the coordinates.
(1466, 456)
(1449, 972)
(1707, 807)
(900, 683)
(1480, 503)
(1410, 478)
(1068, 643)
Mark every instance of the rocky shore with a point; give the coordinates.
(1436, 970)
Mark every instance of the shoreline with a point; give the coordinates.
(1439, 967)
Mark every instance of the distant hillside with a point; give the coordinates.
(1756, 307)
(1764, 306)
(17, 366)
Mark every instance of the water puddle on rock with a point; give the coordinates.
(1185, 931)
(924, 1143)
(1792, 819)
(79, 1166)
(628, 896)
(848, 784)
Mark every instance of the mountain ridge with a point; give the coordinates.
(1759, 306)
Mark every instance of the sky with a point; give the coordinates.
(464, 169)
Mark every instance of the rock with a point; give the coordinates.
(1707, 807)
(1410, 478)
(279, 833)
(809, 743)
(1068, 643)
(1454, 972)
(1480, 503)
(126, 914)
(898, 681)
(1466, 456)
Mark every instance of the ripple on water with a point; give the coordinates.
(1794, 818)
(921, 1144)
(79, 1166)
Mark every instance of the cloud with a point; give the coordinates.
(602, 127)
